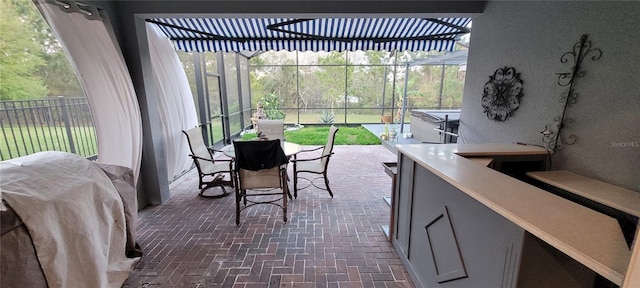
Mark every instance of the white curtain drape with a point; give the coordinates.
(175, 101)
(101, 69)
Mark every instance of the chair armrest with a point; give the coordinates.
(214, 151)
(312, 159)
(309, 150)
(210, 160)
(200, 158)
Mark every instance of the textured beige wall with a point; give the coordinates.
(532, 36)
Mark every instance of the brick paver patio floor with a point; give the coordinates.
(328, 242)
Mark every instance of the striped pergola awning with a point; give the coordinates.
(323, 34)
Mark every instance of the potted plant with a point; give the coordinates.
(271, 105)
(393, 132)
(385, 134)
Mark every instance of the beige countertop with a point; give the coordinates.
(613, 196)
(589, 237)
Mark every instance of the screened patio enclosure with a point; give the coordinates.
(352, 69)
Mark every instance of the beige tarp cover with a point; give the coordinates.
(74, 215)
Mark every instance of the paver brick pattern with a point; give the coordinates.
(191, 241)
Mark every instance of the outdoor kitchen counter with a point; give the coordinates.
(589, 237)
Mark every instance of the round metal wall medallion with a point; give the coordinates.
(501, 95)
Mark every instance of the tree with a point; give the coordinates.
(21, 56)
(373, 74)
(331, 79)
(59, 76)
(36, 65)
(367, 83)
(453, 87)
(278, 80)
(271, 105)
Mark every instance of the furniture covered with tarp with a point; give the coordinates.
(66, 222)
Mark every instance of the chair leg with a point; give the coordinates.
(237, 207)
(295, 182)
(244, 196)
(285, 192)
(287, 183)
(326, 183)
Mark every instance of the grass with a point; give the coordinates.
(19, 142)
(317, 135)
(339, 118)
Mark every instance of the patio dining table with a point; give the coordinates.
(289, 148)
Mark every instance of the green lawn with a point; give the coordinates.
(291, 118)
(15, 143)
(25, 141)
(317, 135)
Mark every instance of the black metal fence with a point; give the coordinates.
(60, 124)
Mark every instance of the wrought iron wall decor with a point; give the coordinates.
(501, 95)
(555, 138)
